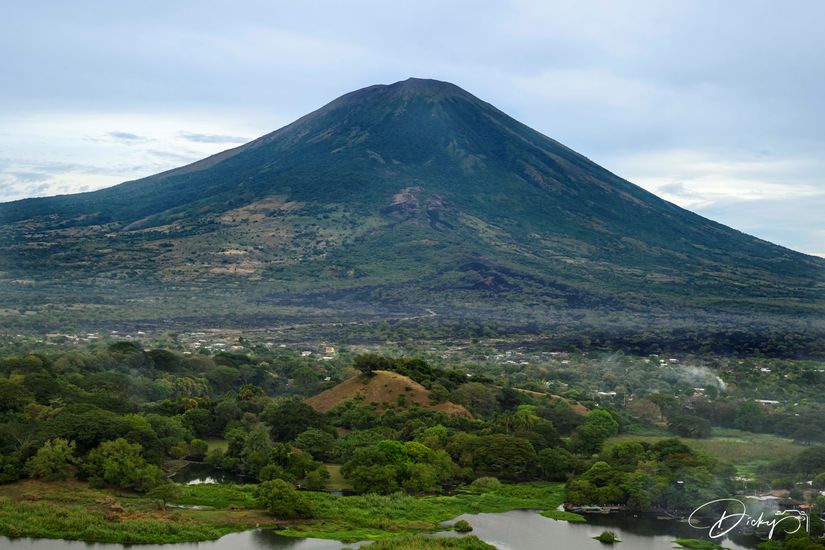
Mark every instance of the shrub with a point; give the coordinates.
(164, 493)
(317, 479)
(53, 460)
(10, 468)
(462, 526)
(485, 485)
(121, 463)
(282, 500)
(608, 537)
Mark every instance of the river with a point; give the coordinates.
(514, 530)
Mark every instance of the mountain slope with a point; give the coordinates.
(393, 199)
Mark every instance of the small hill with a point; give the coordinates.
(382, 388)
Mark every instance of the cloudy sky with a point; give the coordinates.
(717, 106)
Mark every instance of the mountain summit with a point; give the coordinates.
(396, 199)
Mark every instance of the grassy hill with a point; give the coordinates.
(384, 388)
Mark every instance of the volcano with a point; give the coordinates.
(412, 200)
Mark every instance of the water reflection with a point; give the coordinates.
(196, 472)
(527, 530)
(516, 530)
(248, 540)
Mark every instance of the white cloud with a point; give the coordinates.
(706, 103)
(698, 179)
(88, 151)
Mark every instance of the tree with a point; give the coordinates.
(598, 426)
(438, 394)
(600, 484)
(556, 464)
(53, 461)
(257, 450)
(226, 411)
(121, 463)
(318, 443)
(690, 426)
(542, 434)
(810, 461)
(164, 360)
(13, 397)
(639, 487)
(222, 377)
(282, 500)
(289, 417)
(10, 468)
(200, 421)
(164, 493)
(505, 457)
(274, 471)
(808, 433)
(509, 398)
(387, 465)
(169, 430)
(645, 410)
(198, 449)
(43, 386)
(750, 417)
(368, 363)
(479, 398)
(382, 480)
(434, 437)
(420, 478)
(307, 380)
(317, 479)
(627, 454)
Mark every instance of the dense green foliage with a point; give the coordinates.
(117, 413)
(175, 401)
(121, 464)
(667, 475)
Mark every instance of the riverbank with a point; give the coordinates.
(73, 510)
(374, 517)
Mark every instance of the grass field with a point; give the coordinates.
(374, 517)
(217, 443)
(336, 481)
(73, 510)
(745, 450)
